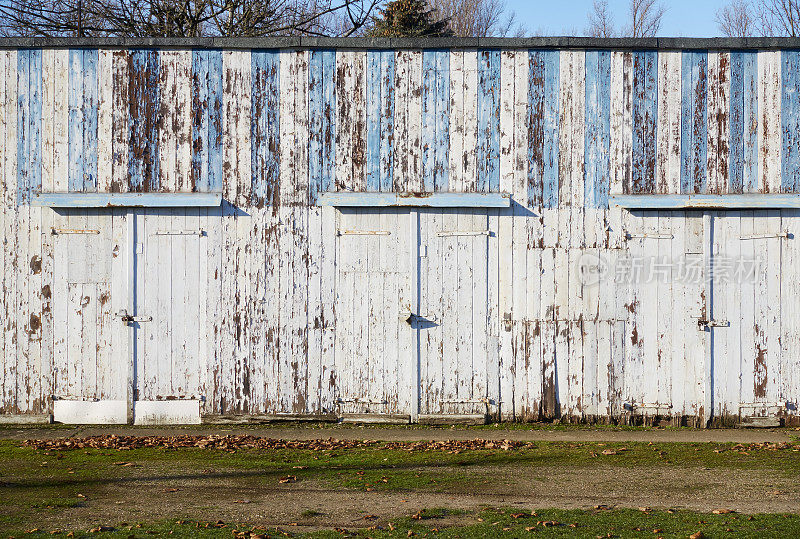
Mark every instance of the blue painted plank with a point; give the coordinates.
(442, 154)
(428, 119)
(144, 200)
(328, 120)
(694, 125)
(35, 123)
(29, 123)
(737, 125)
(75, 121)
(747, 201)
(215, 110)
(790, 120)
(373, 113)
(90, 109)
(552, 121)
(488, 121)
(387, 121)
(315, 103)
(750, 173)
(645, 121)
(598, 129)
(433, 200)
(743, 140)
(200, 120)
(535, 122)
(265, 155)
(143, 120)
(543, 127)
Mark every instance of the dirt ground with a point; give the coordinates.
(414, 433)
(211, 492)
(239, 498)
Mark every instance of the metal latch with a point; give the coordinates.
(713, 323)
(127, 318)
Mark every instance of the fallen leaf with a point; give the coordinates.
(609, 452)
(171, 489)
(697, 535)
(723, 511)
(288, 479)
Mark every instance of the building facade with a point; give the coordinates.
(400, 230)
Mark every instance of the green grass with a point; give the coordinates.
(38, 483)
(443, 522)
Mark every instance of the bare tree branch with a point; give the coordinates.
(736, 19)
(645, 18)
(600, 22)
(779, 17)
(478, 18)
(183, 18)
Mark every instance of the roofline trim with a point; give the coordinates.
(661, 43)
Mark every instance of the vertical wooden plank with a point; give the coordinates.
(769, 131)
(265, 130)
(718, 123)
(790, 121)
(401, 123)
(506, 119)
(645, 115)
(469, 149)
(597, 132)
(488, 150)
(105, 123)
(89, 124)
(144, 103)
(442, 119)
(387, 153)
(457, 121)
(120, 136)
(373, 113)
(76, 94)
(694, 125)
(669, 123)
(428, 120)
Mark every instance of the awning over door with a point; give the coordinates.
(751, 201)
(423, 200)
(126, 200)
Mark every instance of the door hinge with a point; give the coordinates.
(198, 232)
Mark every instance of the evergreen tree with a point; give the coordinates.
(409, 18)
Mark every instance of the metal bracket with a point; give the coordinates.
(127, 318)
(464, 233)
(198, 232)
(713, 323)
(654, 236)
(362, 233)
(784, 234)
(59, 231)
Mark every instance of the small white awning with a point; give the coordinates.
(425, 200)
(127, 200)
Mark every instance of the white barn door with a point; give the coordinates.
(753, 303)
(90, 346)
(453, 320)
(169, 358)
(373, 288)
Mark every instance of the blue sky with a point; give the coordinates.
(684, 18)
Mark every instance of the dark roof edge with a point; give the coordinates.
(405, 43)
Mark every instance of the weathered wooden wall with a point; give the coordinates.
(277, 287)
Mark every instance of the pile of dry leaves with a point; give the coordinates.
(235, 442)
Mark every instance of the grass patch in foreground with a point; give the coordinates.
(441, 522)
